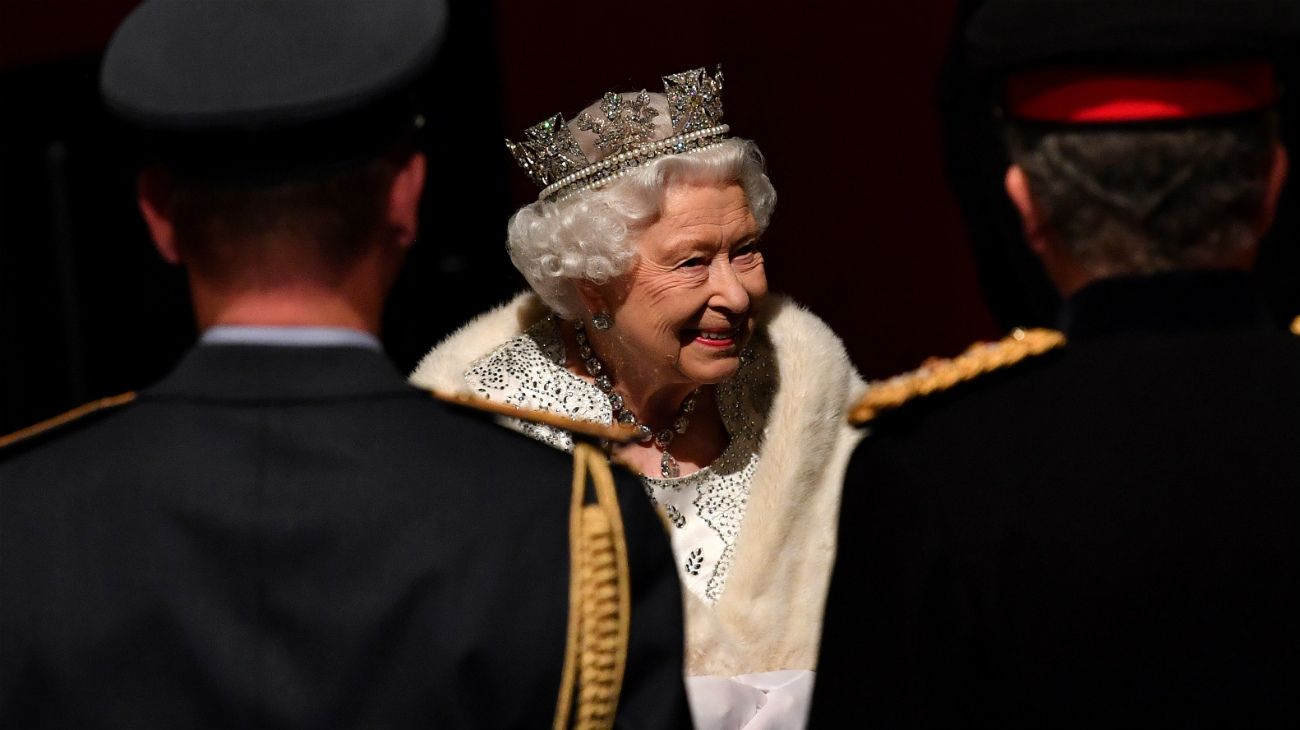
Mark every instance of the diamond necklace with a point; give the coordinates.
(668, 467)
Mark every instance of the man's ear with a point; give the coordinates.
(1066, 273)
(404, 199)
(1276, 181)
(1031, 217)
(153, 193)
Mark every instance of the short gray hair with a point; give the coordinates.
(1138, 201)
(591, 234)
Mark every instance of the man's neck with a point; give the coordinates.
(298, 306)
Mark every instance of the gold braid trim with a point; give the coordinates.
(617, 433)
(72, 415)
(600, 599)
(939, 375)
(569, 676)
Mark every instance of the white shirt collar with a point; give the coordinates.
(289, 336)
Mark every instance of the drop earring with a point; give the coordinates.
(602, 321)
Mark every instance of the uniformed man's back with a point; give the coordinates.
(1095, 526)
(293, 537)
(284, 532)
(1101, 534)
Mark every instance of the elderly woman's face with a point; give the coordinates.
(688, 304)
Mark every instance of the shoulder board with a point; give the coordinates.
(938, 375)
(617, 433)
(48, 425)
(1295, 326)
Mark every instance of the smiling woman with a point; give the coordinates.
(685, 309)
(650, 307)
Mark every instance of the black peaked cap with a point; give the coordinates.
(1004, 35)
(236, 87)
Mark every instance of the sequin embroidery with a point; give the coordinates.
(706, 508)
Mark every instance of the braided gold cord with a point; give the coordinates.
(599, 639)
(66, 418)
(600, 599)
(617, 433)
(940, 375)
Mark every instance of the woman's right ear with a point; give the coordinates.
(593, 300)
(153, 193)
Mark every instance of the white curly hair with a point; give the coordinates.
(592, 234)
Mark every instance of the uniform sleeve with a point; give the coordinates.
(882, 651)
(654, 693)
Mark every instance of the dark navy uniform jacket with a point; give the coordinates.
(290, 537)
(1107, 535)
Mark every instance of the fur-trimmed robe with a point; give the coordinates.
(769, 617)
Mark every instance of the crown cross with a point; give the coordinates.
(628, 122)
(548, 152)
(694, 99)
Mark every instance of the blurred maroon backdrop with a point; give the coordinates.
(841, 100)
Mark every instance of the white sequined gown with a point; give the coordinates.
(705, 508)
(753, 533)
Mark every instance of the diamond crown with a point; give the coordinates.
(624, 132)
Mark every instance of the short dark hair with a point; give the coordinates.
(1147, 199)
(226, 228)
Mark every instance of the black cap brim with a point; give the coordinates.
(270, 85)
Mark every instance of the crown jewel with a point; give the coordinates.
(624, 133)
(628, 122)
(549, 151)
(694, 99)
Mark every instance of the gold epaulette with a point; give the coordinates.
(938, 375)
(1295, 326)
(617, 433)
(77, 413)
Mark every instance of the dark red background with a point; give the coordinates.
(842, 101)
